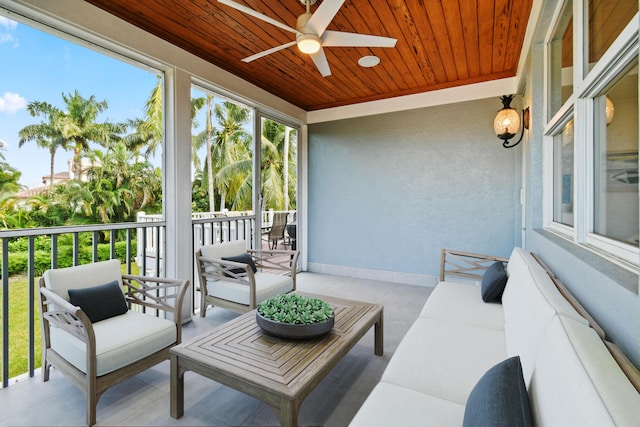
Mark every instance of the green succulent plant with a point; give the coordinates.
(295, 309)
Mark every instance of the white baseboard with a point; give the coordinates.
(372, 274)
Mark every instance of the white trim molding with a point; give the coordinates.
(373, 274)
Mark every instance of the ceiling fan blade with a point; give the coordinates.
(321, 62)
(258, 15)
(323, 15)
(268, 52)
(339, 38)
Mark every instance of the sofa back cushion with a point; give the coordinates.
(576, 382)
(527, 314)
(530, 294)
(550, 290)
(82, 276)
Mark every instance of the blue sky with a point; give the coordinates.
(36, 66)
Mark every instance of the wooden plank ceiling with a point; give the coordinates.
(441, 44)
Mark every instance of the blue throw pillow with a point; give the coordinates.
(493, 282)
(100, 302)
(244, 258)
(500, 398)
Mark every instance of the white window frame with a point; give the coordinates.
(561, 118)
(580, 106)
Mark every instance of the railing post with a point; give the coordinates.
(76, 248)
(31, 283)
(94, 246)
(5, 313)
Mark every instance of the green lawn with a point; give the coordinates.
(19, 324)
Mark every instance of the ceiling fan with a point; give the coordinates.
(312, 35)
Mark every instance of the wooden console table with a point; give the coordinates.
(279, 372)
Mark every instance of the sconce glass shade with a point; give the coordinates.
(608, 110)
(308, 43)
(507, 121)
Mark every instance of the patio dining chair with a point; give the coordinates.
(276, 232)
(98, 334)
(235, 278)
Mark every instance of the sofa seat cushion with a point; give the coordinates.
(393, 405)
(120, 340)
(445, 359)
(461, 302)
(576, 382)
(267, 285)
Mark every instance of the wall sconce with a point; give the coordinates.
(507, 122)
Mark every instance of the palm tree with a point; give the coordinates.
(208, 134)
(118, 185)
(278, 164)
(232, 149)
(223, 146)
(148, 131)
(9, 177)
(47, 133)
(9, 217)
(79, 127)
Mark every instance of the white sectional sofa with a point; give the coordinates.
(570, 376)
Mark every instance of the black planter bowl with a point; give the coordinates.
(293, 331)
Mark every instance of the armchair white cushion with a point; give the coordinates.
(115, 349)
(96, 356)
(234, 285)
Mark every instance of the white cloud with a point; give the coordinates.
(6, 27)
(11, 102)
(7, 23)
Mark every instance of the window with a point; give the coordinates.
(591, 141)
(615, 189)
(563, 176)
(607, 19)
(561, 60)
(222, 154)
(80, 124)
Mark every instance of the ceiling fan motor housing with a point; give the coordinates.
(307, 40)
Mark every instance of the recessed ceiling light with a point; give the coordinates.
(369, 61)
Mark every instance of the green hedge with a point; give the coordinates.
(18, 260)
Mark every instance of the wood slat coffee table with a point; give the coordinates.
(279, 372)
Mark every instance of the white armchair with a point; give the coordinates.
(228, 278)
(129, 333)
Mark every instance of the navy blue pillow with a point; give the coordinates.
(500, 398)
(100, 302)
(244, 258)
(493, 282)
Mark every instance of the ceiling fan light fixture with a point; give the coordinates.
(308, 43)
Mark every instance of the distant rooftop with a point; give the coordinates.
(32, 192)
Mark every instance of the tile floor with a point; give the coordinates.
(144, 399)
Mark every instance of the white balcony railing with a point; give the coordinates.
(138, 244)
